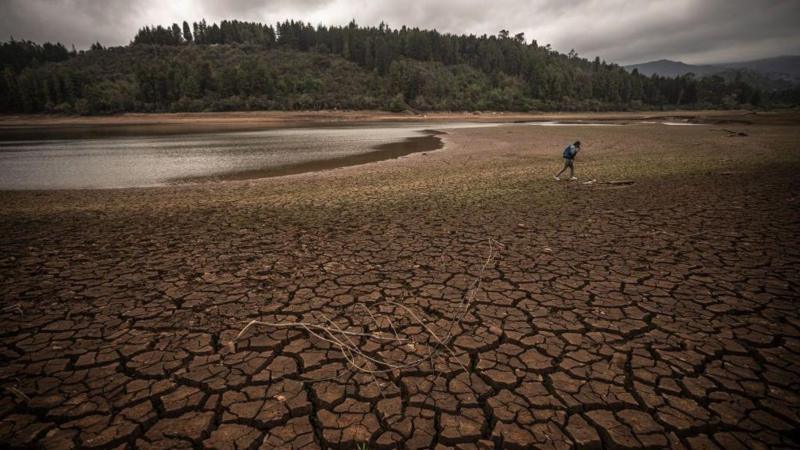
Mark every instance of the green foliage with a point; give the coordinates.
(237, 65)
(227, 32)
(20, 54)
(192, 78)
(397, 104)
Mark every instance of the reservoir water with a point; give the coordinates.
(121, 162)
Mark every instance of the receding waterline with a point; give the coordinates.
(428, 142)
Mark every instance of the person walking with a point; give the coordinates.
(569, 157)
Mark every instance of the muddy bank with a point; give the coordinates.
(429, 142)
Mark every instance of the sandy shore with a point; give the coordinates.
(657, 312)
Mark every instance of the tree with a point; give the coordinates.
(187, 33)
(177, 36)
(202, 78)
(383, 55)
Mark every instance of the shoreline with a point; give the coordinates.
(383, 152)
(36, 127)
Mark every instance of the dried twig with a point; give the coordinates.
(347, 341)
(19, 394)
(15, 307)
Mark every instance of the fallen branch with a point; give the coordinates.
(348, 341)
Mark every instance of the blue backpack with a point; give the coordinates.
(569, 152)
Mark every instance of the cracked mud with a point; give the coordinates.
(657, 314)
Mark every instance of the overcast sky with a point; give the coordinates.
(623, 31)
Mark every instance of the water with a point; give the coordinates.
(120, 162)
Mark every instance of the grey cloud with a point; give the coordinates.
(623, 31)
(720, 30)
(79, 22)
(252, 9)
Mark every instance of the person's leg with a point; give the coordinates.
(571, 169)
(567, 163)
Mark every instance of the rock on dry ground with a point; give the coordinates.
(657, 314)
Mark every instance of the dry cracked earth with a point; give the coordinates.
(657, 314)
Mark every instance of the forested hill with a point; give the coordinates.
(250, 66)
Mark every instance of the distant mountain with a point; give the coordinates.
(786, 68)
(669, 68)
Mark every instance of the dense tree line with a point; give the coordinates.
(17, 55)
(245, 65)
(227, 32)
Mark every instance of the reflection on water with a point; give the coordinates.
(158, 160)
